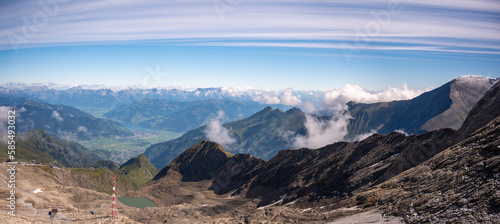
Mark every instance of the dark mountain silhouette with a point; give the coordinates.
(198, 162)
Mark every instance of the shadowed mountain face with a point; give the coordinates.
(198, 162)
(40, 146)
(61, 121)
(459, 185)
(483, 112)
(341, 169)
(262, 135)
(336, 170)
(444, 107)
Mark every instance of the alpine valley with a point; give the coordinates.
(217, 155)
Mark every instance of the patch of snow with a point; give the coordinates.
(292, 202)
(275, 203)
(38, 190)
(306, 210)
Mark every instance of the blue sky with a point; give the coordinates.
(263, 44)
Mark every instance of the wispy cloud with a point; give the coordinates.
(56, 116)
(215, 132)
(431, 26)
(322, 131)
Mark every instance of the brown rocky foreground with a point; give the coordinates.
(39, 191)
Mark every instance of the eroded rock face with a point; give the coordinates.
(487, 109)
(240, 169)
(342, 169)
(460, 184)
(198, 162)
(465, 92)
(444, 107)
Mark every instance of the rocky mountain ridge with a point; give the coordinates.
(421, 178)
(444, 107)
(38, 145)
(64, 122)
(261, 135)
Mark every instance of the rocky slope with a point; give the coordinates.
(198, 162)
(465, 92)
(443, 107)
(38, 192)
(459, 185)
(139, 170)
(483, 112)
(38, 145)
(333, 171)
(340, 169)
(132, 175)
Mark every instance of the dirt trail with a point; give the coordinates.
(73, 203)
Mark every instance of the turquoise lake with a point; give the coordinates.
(137, 202)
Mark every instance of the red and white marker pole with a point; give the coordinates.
(114, 211)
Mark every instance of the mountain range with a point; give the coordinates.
(108, 97)
(460, 184)
(265, 133)
(179, 116)
(446, 175)
(61, 121)
(262, 134)
(434, 177)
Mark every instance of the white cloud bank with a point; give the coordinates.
(287, 97)
(4, 110)
(266, 99)
(217, 133)
(57, 116)
(321, 132)
(338, 98)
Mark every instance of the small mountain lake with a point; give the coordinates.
(137, 202)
